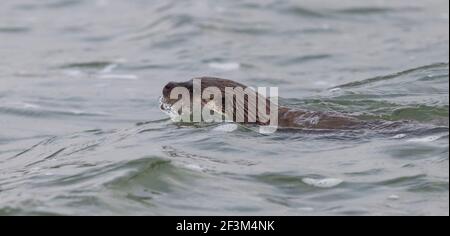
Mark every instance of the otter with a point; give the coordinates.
(287, 117)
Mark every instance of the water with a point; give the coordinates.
(82, 133)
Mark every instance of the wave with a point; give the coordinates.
(422, 70)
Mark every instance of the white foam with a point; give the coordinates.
(267, 129)
(118, 76)
(399, 136)
(334, 90)
(393, 197)
(73, 73)
(194, 167)
(424, 139)
(166, 108)
(227, 66)
(226, 128)
(30, 106)
(109, 68)
(322, 183)
(174, 116)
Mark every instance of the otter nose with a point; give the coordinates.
(168, 88)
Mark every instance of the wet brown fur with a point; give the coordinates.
(287, 117)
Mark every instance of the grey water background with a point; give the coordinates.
(81, 132)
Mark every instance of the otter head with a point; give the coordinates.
(206, 82)
(232, 100)
(166, 100)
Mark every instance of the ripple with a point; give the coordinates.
(57, 4)
(88, 65)
(303, 59)
(403, 180)
(14, 30)
(430, 186)
(374, 10)
(305, 12)
(32, 110)
(395, 75)
(58, 70)
(148, 177)
(52, 4)
(241, 28)
(162, 26)
(365, 10)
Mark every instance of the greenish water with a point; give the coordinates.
(81, 132)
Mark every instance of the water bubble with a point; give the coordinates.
(226, 66)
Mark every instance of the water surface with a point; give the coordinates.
(81, 132)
